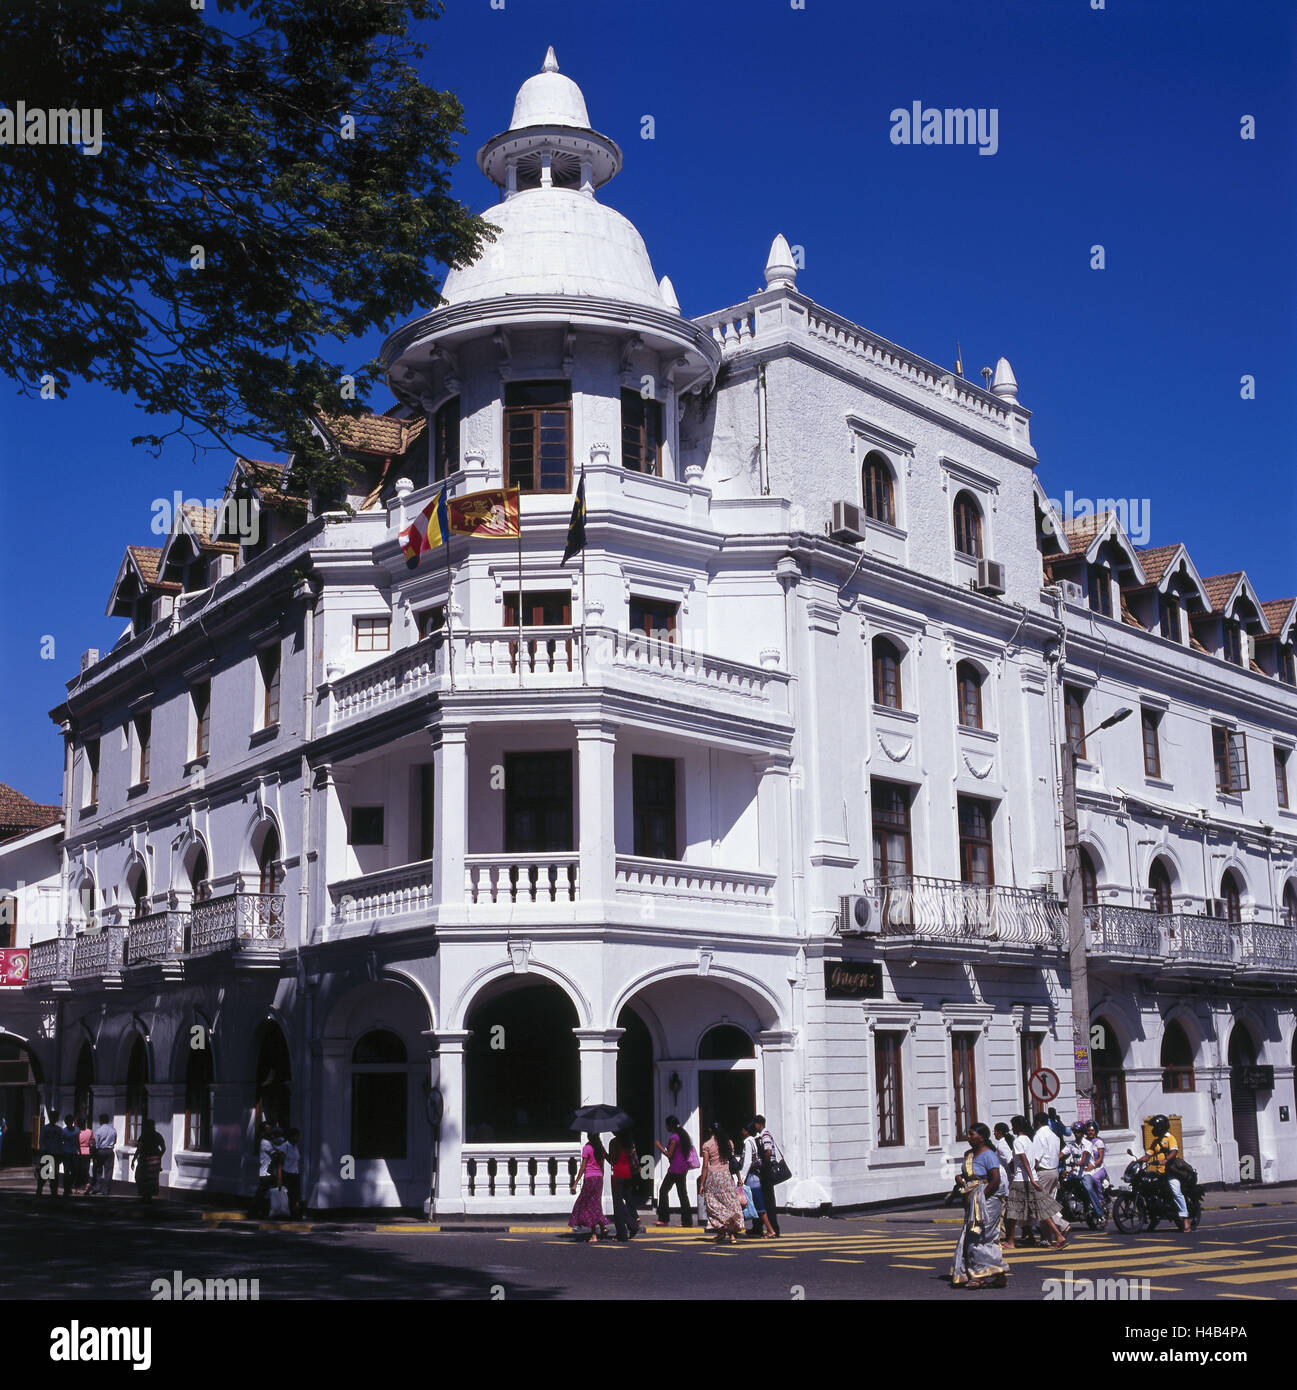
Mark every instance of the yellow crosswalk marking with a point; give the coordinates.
(1268, 1276)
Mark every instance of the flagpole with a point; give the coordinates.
(450, 636)
(520, 596)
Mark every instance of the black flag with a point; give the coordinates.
(576, 527)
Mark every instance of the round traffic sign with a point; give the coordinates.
(1043, 1085)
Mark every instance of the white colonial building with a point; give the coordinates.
(420, 859)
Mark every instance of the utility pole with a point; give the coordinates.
(1078, 961)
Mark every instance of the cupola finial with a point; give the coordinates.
(1005, 384)
(781, 271)
(551, 62)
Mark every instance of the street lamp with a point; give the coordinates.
(1078, 962)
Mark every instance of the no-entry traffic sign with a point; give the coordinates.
(1043, 1085)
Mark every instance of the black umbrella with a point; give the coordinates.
(600, 1119)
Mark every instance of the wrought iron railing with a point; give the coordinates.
(159, 936)
(237, 921)
(1261, 945)
(1209, 940)
(1127, 931)
(939, 909)
(98, 953)
(50, 960)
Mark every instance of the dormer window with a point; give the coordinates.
(641, 434)
(1284, 664)
(1101, 590)
(538, 435)
(1234, 641)
(1169, 617)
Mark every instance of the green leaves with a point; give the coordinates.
(229, 238)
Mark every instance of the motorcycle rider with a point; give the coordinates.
(1093, 1172)
(1160, 1152)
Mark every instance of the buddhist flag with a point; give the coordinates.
(576, 527)
(490, 513)
(427, 531)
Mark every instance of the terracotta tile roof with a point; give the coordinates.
(1275, 611)
(1081, 530)
(267, 481)
(19, 814)
(1219, 587)
(375, 434)
(204, 522)
(1155, 560)
(146, 559)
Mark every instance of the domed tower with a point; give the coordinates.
(559, 337)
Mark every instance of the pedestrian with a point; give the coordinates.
(1050, 1117)
(678, 1152)
(979, 1261)
(147, 1160)
(293, 1172)
(1048, 1152)
(4, 1129)
(269, 1160)
(85, 1146)
(1094, 1173)
(1028, 1205)
(625, 1163)
(587, 1211)
(721, 1193)
(1004, 1150)
(49, 1156)
(750, 1177)
(766, 1151)
(103, 1156)
(71, 1154)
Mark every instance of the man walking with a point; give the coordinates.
(71, 1153)
(766, 1149)
(1048, 1147)
(49, 1157)
(103, 1153)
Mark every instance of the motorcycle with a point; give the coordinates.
(1074, 1198)
(1149, 1200)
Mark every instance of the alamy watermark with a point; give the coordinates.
(952, 125)
(1134, 513)
(1084, 1290)
(24, 125)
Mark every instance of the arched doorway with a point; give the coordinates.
(1177, 1060)
(727, 1079)
(273, 1080)
(137, 1091)
(83, 1089)
(1159, 882)
(522, 1066)
(1109, 1078)
(1242, 1103)
(20, 1103)
(635, 1080)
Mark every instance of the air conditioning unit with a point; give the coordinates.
(1216, 907)
(1073, 593)
(163, 606)
(860, 913)
(990, 577)
(848, 523)
(1053, 884)
(88, 659)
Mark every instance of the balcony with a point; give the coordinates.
(540, 880)
(720, 896)
(50, 960)
(404, 891)
(97, 954)
(240, 921)
(159, 936)
(945, 912)
(550, 658)
(1189, 944)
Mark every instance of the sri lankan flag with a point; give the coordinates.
(427, 531)
(490, 513)
(576, 527)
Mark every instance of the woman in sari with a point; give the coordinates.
(588, 1211)
(720, 1192)
(147, 1160)
(979, 1261)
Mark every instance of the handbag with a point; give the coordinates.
(778, 1165)
(278, 1201)
(693, 1160)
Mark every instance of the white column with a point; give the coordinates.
(598, 1048)
(330, 1189)
(450, 814)
(447, 1070)
(596, 744)
(773, 823)
(332, 859)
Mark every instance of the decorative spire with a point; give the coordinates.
(1005, 384)
(551, 62)
(781, 273)
(668, 293)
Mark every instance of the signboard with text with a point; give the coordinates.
(853, 979)
(13, 965)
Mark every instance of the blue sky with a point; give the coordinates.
(1118, 127)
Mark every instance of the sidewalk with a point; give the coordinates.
(17, 1191)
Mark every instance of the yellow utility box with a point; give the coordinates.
(1177, 1132)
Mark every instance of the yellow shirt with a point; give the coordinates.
(1162, 1149)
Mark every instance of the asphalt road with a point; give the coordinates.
(117, 1250)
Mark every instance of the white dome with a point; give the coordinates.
(556, 241)
(549, 98)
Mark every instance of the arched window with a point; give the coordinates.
(380, 1096)
(83, 1096)
(969, 682)
(198, 1100)
(887, 674)
(85, 903)
(1290, 906)
(137, 889)
(1231, 895)
(968, 526)
(1109, 1079)
(876, 483)
(266, 857)
(1159, 880)
(199, 886)
(1089, 879)
(137, 1091)
(724, 1041)
(273, 1079)
(1177, 1059)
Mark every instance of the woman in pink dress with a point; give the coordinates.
(720, 1192)
(588, 1211)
